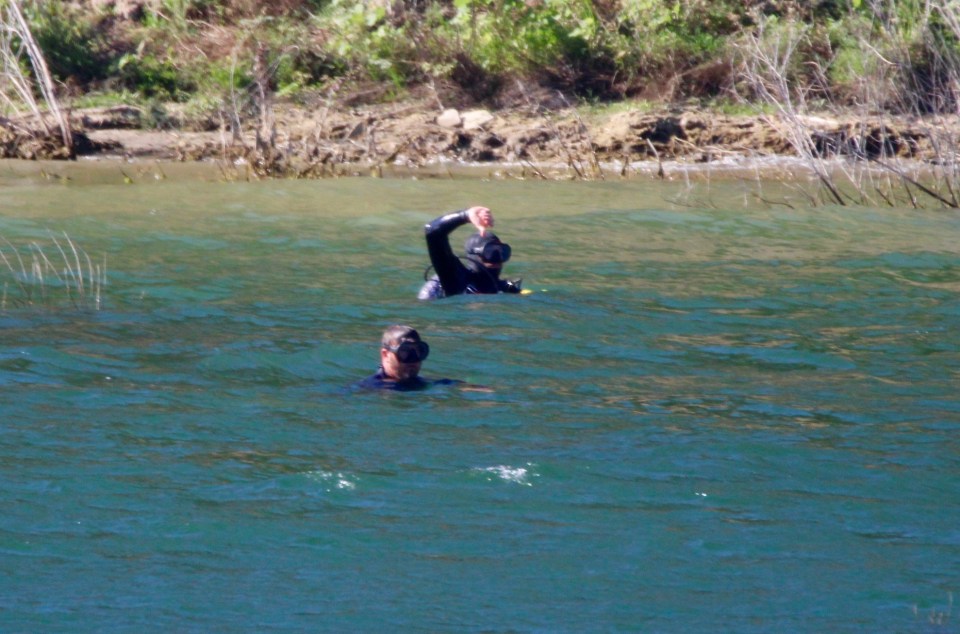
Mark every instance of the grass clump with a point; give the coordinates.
(30, 278)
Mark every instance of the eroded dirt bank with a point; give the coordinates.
(299, 141)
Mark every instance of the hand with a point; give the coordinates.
(481, 217)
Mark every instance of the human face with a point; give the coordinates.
(493, 255)
(410, 351)
(403, 362)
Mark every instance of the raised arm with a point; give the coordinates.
(447, 266)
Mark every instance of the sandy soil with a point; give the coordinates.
(416, 135)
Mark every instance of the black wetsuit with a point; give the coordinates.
(379, 381)
(453, 277)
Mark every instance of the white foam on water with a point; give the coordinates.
(335, 480)
(517, 475)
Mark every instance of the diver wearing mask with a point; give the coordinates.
(402, 351)
(479, 271)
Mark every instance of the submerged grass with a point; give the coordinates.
(31, 279)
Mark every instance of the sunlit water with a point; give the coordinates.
(712, 415)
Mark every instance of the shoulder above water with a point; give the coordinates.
(378, 381)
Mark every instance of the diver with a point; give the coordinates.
(402, 352)
(480, 270)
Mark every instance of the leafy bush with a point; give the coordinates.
(931, 68)
(154, 77)
(73, 46)
(902, 57)
(844, 51)
(362, 37)
(295, 61)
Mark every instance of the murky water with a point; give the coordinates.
(711, 415)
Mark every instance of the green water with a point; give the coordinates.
(710, 416)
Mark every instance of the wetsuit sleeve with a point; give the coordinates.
(450, 271)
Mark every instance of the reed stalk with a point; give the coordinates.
(16, 43)
(767, 57)
(40, 284)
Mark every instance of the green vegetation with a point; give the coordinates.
(227, 62)
(75, 50)
(844, 52)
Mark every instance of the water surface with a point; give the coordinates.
(711, 414)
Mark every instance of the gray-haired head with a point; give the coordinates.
(397, 334)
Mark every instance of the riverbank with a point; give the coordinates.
(310, 89)
(538, 140)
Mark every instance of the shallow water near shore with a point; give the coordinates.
(711, 415)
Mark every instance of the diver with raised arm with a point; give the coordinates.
(479, 271)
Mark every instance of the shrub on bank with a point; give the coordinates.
(902, 55)
(75, 46)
